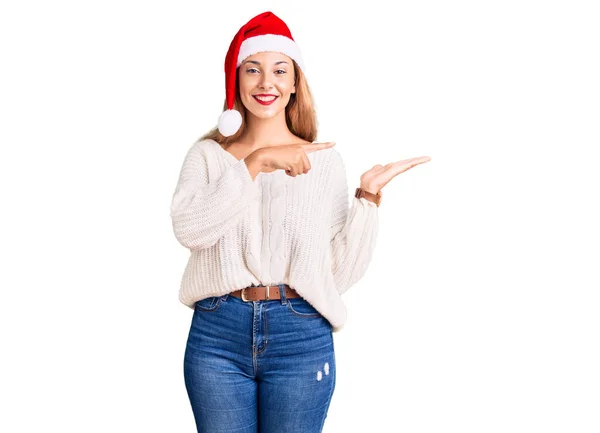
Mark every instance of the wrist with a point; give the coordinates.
(368, 195)
(254, 165)
(256, 158)
(369, 188)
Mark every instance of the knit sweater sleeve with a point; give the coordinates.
(354, 230)
(205, 207)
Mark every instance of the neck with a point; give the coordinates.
(266, 132)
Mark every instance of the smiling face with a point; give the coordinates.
(266, 81)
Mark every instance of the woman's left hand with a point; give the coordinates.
(377, 177)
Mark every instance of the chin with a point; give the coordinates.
(266, 114)
(262, 113)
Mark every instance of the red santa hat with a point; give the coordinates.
(264, 32)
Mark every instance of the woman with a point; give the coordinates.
(264, 211)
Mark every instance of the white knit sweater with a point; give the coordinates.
(276, 229)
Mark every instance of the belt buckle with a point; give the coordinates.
(243, 293)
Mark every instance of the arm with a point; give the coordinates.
(353, 230)
(203, 211)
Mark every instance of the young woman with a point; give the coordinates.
(274, 243)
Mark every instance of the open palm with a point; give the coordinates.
(377, 177)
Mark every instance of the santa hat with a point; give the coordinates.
(264, 32)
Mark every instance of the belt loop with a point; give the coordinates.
(282, 294)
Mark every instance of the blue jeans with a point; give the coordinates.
(259, 366)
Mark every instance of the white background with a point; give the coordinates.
(479, 311)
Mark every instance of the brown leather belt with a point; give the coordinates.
(262, 293)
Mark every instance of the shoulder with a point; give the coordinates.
(336, 168)
(334, 158)
(205, 148)
(335, 154)
(202, 154)
(205, 144)
(330, 163)
(327, 155)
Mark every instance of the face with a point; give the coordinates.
(266, 82)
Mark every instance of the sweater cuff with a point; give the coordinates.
(366, 202)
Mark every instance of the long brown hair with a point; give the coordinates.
(300, 114)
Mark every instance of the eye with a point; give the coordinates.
(280, 72)
(251, 69)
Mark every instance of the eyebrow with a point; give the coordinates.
(258, 63)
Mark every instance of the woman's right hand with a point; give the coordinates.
(289, 157)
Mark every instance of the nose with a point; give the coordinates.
(265, 82)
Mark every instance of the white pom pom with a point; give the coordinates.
(229, 122)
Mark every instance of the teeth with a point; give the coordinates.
(266, 98)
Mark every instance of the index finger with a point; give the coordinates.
(311, 147)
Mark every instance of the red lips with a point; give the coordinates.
(265, 95)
